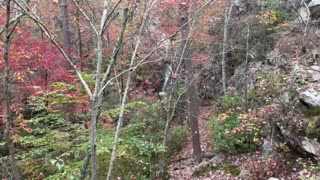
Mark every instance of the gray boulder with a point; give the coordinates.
(311, 146)
(310, 97)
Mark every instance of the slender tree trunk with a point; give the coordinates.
(79, 37)
(191, 92)
(8, 117)
(227, 17)
(98, 92)
(246, 70)
(167, 104)
(95, 108)
(93, 138)
(125, 95)
(65, 24)
(166, 134)
(119, 126)
(85, 166)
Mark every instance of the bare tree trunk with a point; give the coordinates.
(246, 70)
(191, 101)
(65, 24)
(227, 17)
(79, 37)
(8, 117)
(126, 91)
(93, 137)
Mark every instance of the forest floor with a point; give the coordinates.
(182, 164)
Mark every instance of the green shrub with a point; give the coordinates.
(51, 148)
(230, 102)
(140, 147)
(56, 148)
(233, 132)
(177, 138)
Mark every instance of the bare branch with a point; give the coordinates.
(158, 45)
(116, 48)
(12, 21)
(107, 16)
(86, 17)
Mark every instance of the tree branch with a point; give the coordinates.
(86, 17)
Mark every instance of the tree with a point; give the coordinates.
(185, 60)
(103, 46)
(191, 92)
(9, 119)
(227, 17)
(125, 95)
(65, 24)
(101, 82)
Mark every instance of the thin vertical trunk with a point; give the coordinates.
(191, 91)
(166, 135)
(119, 125)
(93, 137)
(85, 166)
(95, 107)
(65, 24)
(125, 95)
(225, 45)
(8, 117)
(79, 37)
(101, 80)
(246, 70)
(168, 99)
(46, 83)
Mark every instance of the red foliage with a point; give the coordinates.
(34, 65)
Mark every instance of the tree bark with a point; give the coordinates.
(65, 24)
(8, 117)
(246, 71)
(79, 37)
(191, 92)
(225, 45)
(93, 137)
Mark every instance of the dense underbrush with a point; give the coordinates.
(54, 148)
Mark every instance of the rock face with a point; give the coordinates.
(238, 79)
(314, 3)
(311, 146)
(310, 97)
(311, 11)
(307, 147)
(305, 73)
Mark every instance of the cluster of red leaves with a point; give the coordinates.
(34, 66)
(270, 112)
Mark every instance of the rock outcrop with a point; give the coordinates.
(310, 97)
